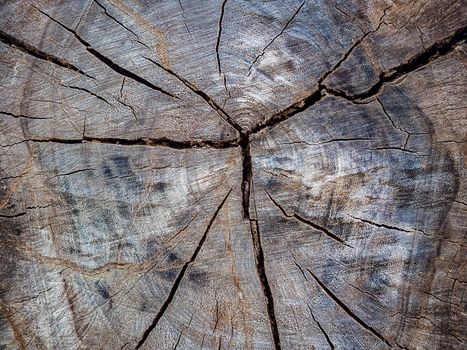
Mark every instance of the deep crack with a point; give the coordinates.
(35, 52)
(288, 112)
(246, 173)
(438, 49)
(347, 310)
(331, 345)
(159, 142)
(180, 276)
(219, 37)
(223, 114)
(107, 61)
(263, 278)
(17, 116)
(419, 60)
(350, 50)
(106, 12)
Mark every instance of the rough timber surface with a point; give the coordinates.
(233, 174)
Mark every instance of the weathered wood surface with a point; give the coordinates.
(233, 175)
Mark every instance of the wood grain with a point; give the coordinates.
(233, 174)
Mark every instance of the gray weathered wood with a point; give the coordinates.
(232, 175)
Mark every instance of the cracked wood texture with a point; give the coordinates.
(233, 174)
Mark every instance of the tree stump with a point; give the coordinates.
(233, 174)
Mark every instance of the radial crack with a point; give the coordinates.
(394, 149)
(380, 225)
(130, 107)
(288, 112)
(12, 215)
(180, 276)
(202, 94)
(75, 171)
(22, 116)
(331, 345)
(178, 340)
(350, 139)
(439, 49)
(350, 50)
(106, 12)
(261, 270)
(274, 39)
(246, 174)
(107, 61)
(219, 37)
(35, 52)
(308, 222)
(159, 142)
(347, 310)
(219, 67)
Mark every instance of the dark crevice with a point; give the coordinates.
(107, 61)
(217, 316)
(263, 278)
(246, 174)
(180, 276)
(438, 49)
(308, 222)
(126, 73)
(290, 111)
(347, 310)
(160, 142)
(219, 67)
(421, 59)
(219, 37)
(178, 340)
(226, 89)
(35, 52)
(367, 293)
(274, 39)
(350, 50)
(184, 18)
(299, 267)
(380, 225)
(246, 188)
(331, 345)
(75, 171)
(350, 139)
(55, 140)
(12, 215)
(338, 93)
(22, 116)
(183, 228)
(394, 149)
(389, 117)
(202, 94)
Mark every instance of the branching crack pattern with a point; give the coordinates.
(419, 60)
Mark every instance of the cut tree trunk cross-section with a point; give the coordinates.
(233, 175)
